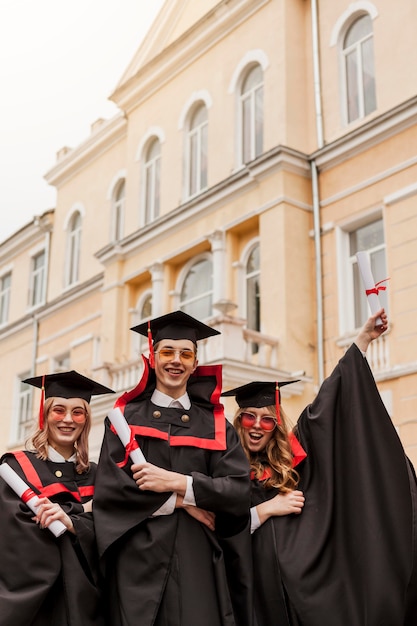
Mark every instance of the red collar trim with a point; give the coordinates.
(216, 443)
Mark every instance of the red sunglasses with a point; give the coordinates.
(78, 414)
(266, 422)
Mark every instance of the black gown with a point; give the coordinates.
(350, 558)
(47, 580)
(171, 569)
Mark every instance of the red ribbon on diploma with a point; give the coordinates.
(132, 445)
(377, 287)
(27, 495)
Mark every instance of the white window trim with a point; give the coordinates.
(77, 208)
(33, 272)
(184, 273)
(344, 273)
(7, 271)
(110, 196)
(250, 58)
(344, 22)
(197, 99)
(149, 169)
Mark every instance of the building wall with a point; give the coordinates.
(366, 168)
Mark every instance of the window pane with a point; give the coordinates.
(25, 420)
(152, 181)
(197, 290)
(246, 130)
(368, 76)
(253, 79)
(359, 29)
(5, 286)
(352, 86)
(259, 121)
(251, 102)
(368, 238)
(253, 318)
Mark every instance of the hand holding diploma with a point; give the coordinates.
(371, 288)
(28, 496)
(125, 435)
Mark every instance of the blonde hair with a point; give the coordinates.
(39, 442)
(277, 455)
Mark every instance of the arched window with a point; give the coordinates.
(143, 313)
(359, 69)
(251, 106)
(197, 151)
(73, 249)
(197, 289)
(118, 207)
(151, 171)
(252, 280)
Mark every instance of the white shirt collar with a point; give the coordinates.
(56, 457)
(162, 399)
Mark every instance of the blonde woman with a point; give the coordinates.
(47, 580)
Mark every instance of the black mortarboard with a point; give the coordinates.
(65, 385)
(257, 394)
(68, 385)
(176, 325)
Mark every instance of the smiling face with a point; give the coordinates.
(66, 421)
(172, 375)
(255, 437)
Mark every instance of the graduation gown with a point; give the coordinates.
(349, 559)
(171, 569)
(47, 580)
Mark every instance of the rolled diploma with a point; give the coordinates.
(369, 283)
(19, 487)
(122, 428)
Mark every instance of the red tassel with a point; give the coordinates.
(150, 344)
(277, 403)
(41, 404)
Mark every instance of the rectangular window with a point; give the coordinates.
(369, 238)
(5, 287)
(62, 363)
(24, 404)
(37, 279)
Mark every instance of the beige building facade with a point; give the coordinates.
(260, 144)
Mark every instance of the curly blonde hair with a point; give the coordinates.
(39, 442)
(277, 455)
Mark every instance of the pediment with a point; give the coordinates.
(174, 19)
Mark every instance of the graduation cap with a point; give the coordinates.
(66, 385)
(175, 325)
(259, 394)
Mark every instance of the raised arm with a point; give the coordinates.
(370, 330)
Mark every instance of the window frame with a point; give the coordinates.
(37, 280)
(151, 177)
(186, 270)
(5, 297)
(345, 264)
(357, 49)
(251, 95)
(196, 167)
(74, 235)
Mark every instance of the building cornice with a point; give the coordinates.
(278, 159)
(26, 236)
(368, 135)
(103, 136)
(53, 306)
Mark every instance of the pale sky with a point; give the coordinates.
(59, 62)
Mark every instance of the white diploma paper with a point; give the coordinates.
(369, 283)
(19, 487)
(122, 428)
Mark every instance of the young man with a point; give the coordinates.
(173, 532)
